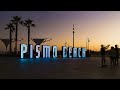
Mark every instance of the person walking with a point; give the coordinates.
(112, 54)
(117, 54)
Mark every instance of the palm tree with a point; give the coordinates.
(11, 28)
(16, 20)
(28, 23)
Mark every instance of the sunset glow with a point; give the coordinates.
(101, 27)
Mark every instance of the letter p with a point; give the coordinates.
(23, 49)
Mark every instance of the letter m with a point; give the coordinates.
(46, 51)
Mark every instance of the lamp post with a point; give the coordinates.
(65, 44)
(73, 35)
(88, 43)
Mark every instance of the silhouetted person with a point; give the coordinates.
(90, 53)
(87, 52)
(117, 54)
(112, 54)
(103, 48)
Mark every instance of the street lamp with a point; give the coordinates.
(73, 35)
(88, 43)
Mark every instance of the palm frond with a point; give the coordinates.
(21, 22)
(33, 25)
(29, 21)
(13, 29)
(25, 24)
(7, 28)
(16, 19)
(12, 20)
(10, 26)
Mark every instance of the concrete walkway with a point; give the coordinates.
(89, 68)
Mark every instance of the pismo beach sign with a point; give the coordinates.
(67, 52)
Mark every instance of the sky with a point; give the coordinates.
(101, 27)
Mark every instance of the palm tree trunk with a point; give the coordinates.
(29, 40)
(10, 41)
(16, 39)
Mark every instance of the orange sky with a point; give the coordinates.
(102, 27)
